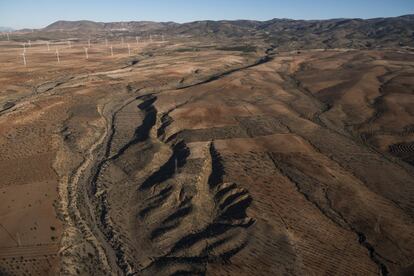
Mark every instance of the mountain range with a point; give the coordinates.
(283, 33)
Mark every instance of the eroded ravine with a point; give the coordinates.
(166, 197)
(76, 229)
(89, 229)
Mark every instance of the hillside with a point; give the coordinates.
(284, 33)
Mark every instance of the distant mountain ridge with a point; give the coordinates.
(86, 25)
(285, 33)
(6, 29)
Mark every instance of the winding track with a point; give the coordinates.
(70, 208)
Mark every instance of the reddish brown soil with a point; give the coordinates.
(212, 162)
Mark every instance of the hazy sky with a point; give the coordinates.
(39, 13)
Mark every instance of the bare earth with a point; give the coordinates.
(175, 161)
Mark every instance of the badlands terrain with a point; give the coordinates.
(208, 148)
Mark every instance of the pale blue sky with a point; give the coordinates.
(39, 13)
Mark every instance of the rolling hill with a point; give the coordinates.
(284, 33)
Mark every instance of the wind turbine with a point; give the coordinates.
(30, 44)
(86, 53)
(57, 55)
(24, 58)
(137, 39)
(8, 38)
(112, 51)
(129, 50)
(19, 242)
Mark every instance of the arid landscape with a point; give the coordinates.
(208, 148)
